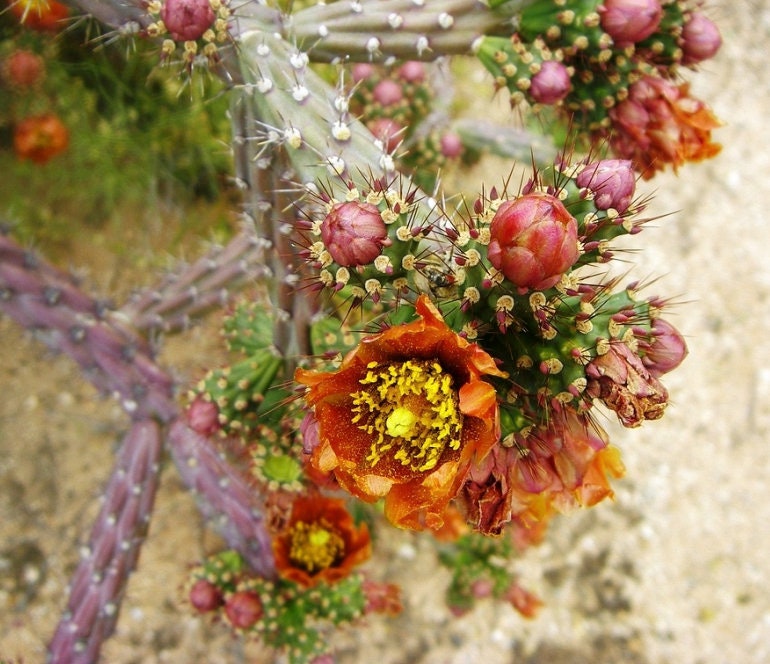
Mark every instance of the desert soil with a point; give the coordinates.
(674, 571)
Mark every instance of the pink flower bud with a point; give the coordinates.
(551, 84)
(388, 131)
(23, 68)
(700, 39)
(187, 20)
(243, 609)
(412, 71)
(451, 145)
(362, 71)
(666, 350)
(533, 240)
(354, 233)
(612, 181)
(387, 92)
(203, 416)
(630, 21)
(205, 596)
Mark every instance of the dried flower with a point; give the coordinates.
(660, 124)
(187, 20)
(354, 233)
(612, 182)
(404, 417)
(700, 39)
(630, 21)
(533, 240)
(624, 384)
(320, 542)
(40, 138)
(551, 84)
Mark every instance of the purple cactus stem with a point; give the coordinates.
(113, 548)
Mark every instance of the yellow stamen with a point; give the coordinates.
(315, 546)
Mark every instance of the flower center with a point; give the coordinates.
(315, 546)
(411, 410)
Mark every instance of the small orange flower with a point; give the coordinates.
(320, 542)
(40, 138)
(660, 124)
(404, 417)
(44, 15)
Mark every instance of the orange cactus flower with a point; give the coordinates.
(660, 124)
(40, 138)
(320, 542)
(405, 416)
(44, 15)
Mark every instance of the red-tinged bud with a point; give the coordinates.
(612, 181)
(666, 349)
(630, 21)
(388, 131)
(451, 145)
(387, 92)
(526, 603)
(187, 20)
(533, 241)
(700, 39)
(551, 84)
(354, 233)
(362, 71)
(23, 68)
(205, 596)
(243, 609)
(412, 71)
(203, 416)
(482, 588)
(382, 597)
(40, 138)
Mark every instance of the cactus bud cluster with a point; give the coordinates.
(587, 59)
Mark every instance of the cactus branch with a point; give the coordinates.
(100, 579)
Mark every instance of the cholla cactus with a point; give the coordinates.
(442, 356)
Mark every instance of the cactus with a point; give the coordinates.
(443, 355)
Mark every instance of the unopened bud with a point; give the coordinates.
(612, 182)
(630, 21)
(243, 609)
(354, 233)
(551, 84)
(187, 20)
(700, 39)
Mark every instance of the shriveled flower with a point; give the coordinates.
(700, 39)
(533, 240)
(187, 20)
(664, 350)
(320, 542)
(404, 416)
(624, 384)
(354, 233)
(630, 21)
(659, 124)
(612, 182)
(40, 138)
(551, 84)
(552, 469)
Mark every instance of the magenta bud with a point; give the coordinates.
(387, 92)
(243, 609)
(630, 21)
(388, 131)
(354, 233)
(700, 39)
(451, 145)
(362, 71)
(205, 596)
(533, 240)
(667, 348)
(551, 84)
(203, 416)
(412, 71)
(612, 182)
(187, 20)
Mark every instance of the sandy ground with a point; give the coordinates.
(674, 571)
